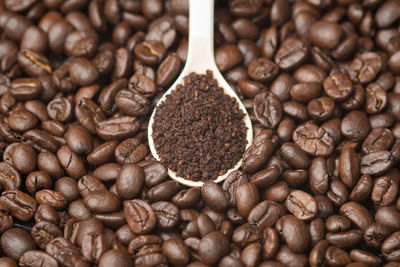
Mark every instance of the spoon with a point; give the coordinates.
(200, 58)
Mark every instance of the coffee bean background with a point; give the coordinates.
(319, 186)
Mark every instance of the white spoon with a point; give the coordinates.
(200, 58)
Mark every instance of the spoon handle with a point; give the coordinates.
(201, 36)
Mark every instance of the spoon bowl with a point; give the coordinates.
(200, 58)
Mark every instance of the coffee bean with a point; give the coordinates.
(15, 242)
(43, 232)
(167, 214)
(52, 198)
(291, 54)
(130, 150)
(139, 216)
(130, 181)
(362, 189)
(301, 205)
(71, 162)
(246, 197)
(376, 163)
(103, 153)
(294, 232)
(214, 197)
(268, 109)
(357, 214)
(384, 189)
(310, 137)
(34, 63)
(262, 70)
(20, 205)
(60, 109)
(365, 67)
(256, 155)
(213, 247)
(355, 126)
(30, 258)
(132, 103)
(325, 34)
(79, 140)
(338, 86)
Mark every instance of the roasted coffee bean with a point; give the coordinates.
(123, 62)
(30, 258)
(82, 72)
(355, 126)
(227, 57)
(130, 181)
(256, 155)
(301, 205)
(38, 180)
(103, 153)
(362, 190)
(246, 197)
(187, 198)
(167, 214)
(357, 214)
(349, 167)
(314, 140)
(213, 196)
(338, 86)
(26, 88)
(168, 70)
(40, 140)
(43, 232)
(71, 162)
(33, 63)
(48, 162)
(213, 247)
(365, 67)
(10, 178)
(109, 202)
(377, 140)
(385, 188)
(337, 256)
(52, 198)
(20, 205)
(291, 54)
(268, 109)
(325, 34)
(376, 163)
(132, 103)
(88, 184)
(79, 140)
(88, 114)
(294, 155)
(68, 187)
(107, 172)
(81, 43)
(319, 173)
(15, 242)
(60, 109)
(130, 151)
(294, 232)
(264, 215)
(150, 53)
(265, 177)
(140, 216)
(262, 70)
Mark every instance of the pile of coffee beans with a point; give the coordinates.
(198, 130)
(319, 185)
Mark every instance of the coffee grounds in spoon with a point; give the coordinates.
(198, 131)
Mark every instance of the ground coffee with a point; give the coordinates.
(199, 131)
